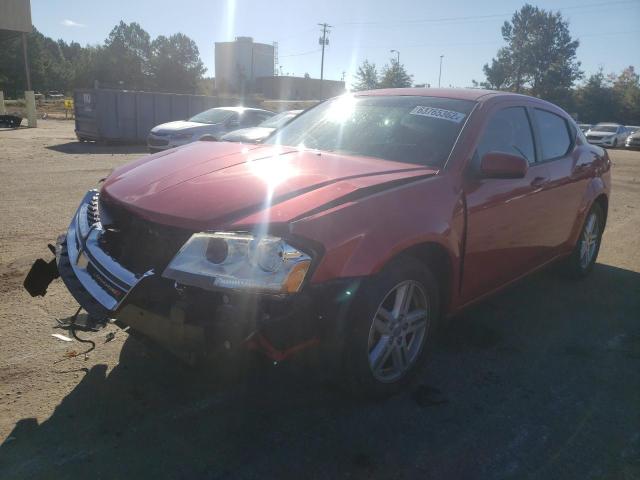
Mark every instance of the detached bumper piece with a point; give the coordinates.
(42, 273)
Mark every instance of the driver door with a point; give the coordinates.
(506, 217)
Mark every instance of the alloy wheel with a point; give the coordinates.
(589, 240)
(398, 330)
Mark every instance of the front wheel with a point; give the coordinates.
(585, 253)
(393, 325)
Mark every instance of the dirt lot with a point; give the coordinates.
(542, 381)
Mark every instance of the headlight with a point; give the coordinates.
(181, 136)
(239, 261)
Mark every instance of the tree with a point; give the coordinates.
(594, 100)
(366, 77)
(175, 64)
(626, 93)
(124, 60)
(395, 76)
(539, 58)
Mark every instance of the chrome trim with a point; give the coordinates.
(111, 272)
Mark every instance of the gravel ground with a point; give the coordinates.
(541, 381)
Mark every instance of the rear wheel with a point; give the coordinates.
(394, 322)
(585, 253)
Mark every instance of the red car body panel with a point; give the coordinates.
(365, 211)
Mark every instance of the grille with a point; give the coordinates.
(137, 244)
(93, 215)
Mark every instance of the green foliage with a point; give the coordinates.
(127, 59)
(608, 98)
(539, 58)
(366, 77)
(394, 76)
(175, 64)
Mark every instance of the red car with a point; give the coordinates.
(355, 229)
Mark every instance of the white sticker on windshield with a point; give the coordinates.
(450, 115)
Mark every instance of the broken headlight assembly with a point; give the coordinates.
(239, 261)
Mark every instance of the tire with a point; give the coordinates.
(383, 352)
(584, 255)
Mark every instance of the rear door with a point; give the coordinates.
(506, 218)
(569, 171)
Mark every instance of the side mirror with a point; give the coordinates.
(503, 165)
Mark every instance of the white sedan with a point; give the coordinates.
(607, 135)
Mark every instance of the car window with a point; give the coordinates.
(508, 131)
(250, 118)
(554, 134)
(409, 129)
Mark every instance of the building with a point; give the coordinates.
(240, 62)
(298, 88)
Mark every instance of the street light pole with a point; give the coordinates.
(440, 73)
(397, 53)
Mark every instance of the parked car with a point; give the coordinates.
(357, 230)
(633, 140)
(607, 134)
(262, 131)
(584, 126)
(215, 122)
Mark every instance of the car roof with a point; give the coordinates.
(608, 124)
(474, 94)
(243, 109)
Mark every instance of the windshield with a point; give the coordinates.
(411, 129)
(605, 128)
(278, 120)
(214, 115)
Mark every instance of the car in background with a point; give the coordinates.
(262, 131)
(632, 128)
(214, 122)
(633, 140)
(607, 135)
(584, 127)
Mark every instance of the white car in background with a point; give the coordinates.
(607, 135)
(214, 123)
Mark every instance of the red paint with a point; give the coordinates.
(262, 344)
(493, 230)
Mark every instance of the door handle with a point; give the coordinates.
(539, 181)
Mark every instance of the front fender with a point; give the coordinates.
(360, 237)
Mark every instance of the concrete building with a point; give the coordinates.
(298, 88)
(240, 62)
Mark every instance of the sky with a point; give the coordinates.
(466, 32)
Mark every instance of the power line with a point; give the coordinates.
(472, 18)
(300, 54)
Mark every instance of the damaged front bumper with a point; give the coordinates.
(97, 281)
(190, 322)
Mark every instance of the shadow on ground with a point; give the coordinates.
(95, 148)
(539, 382)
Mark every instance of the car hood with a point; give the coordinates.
(250, 135)
(207, 185)
(185, 126)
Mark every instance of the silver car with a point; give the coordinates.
(607, 135)
(213, 123)
(633, 140)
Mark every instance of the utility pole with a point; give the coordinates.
(323, 40)
(440, 73)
